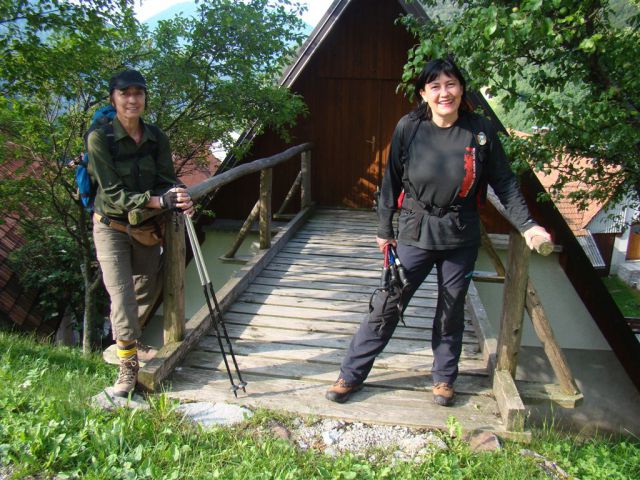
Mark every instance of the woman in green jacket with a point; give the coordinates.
(131, 163)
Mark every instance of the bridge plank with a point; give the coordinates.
(291, 327)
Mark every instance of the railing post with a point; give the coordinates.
(542, 327)
(305, 187)
(173, 280)
(246, 227)
(513, 303)
(290, 194)
(266, 180)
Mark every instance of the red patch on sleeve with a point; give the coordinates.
(469, 171)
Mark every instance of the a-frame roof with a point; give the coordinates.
(322, 29)
(573, 259)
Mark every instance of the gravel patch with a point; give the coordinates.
(371, 441)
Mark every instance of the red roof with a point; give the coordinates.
(576, 218)
(17, 304)
(192, 174)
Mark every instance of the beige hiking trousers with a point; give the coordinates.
(132, 275)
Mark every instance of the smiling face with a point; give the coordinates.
(129, 103)
(443, 95)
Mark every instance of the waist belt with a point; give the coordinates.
(412, 205)
(120, 226)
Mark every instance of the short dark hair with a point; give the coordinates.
(429, 73)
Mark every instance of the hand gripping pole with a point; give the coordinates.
(217, 321)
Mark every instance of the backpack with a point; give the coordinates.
(87, 188)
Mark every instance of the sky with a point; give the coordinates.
(148, 8)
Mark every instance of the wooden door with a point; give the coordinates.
(358, 120)
(633, 247)
(346, 141)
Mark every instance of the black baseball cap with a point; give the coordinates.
(127, 78)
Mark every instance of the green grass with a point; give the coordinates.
(626, 297)
(47, 428)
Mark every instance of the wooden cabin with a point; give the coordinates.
(348, 72)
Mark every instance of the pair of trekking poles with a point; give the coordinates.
(393, 273)
(218, 322)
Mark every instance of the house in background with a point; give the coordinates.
(608, 233)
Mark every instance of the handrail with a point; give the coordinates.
(540, 245)
(519, 295)
(174, 270)
(205, 187)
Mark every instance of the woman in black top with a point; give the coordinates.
(442, 158)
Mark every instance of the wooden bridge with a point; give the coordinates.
(292, 309)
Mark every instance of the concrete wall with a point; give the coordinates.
(572, 324)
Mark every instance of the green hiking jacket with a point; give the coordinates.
(128, 181)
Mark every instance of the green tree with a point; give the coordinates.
(208, 77)
(566, 64)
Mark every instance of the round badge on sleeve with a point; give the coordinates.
(482, 138)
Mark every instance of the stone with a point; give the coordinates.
(209, 414)
(280, 431)
(330, 437)
(484, 442)
(108, 401)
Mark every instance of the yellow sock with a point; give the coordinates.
(127, 351)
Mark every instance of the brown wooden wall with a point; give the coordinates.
(605, 243)
(349, 86)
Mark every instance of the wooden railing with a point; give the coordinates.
(519, 294)
(175, 248)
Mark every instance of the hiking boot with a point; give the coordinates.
(146, 352)
(341, 391)
(443, 394)
(127, 377)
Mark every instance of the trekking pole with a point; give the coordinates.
(384, 279)
(398, 276)
(402, 274)
(209, 294)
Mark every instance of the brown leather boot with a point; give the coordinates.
(127, 377)
(443, 394)
(341, 391)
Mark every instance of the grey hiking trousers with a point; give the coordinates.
(454, 269)
(132, 275)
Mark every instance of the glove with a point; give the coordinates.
(169, 200)
(538, 239)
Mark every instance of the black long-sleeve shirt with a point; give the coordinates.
(446, 168)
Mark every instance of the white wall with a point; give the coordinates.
(603, 223)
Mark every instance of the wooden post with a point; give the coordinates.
(491, 251)
(510, 404)
(554, 353)
(173, 279)
(513, 303)
(266, 180)
(290, 194)
(244, 230)
(305, 189)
